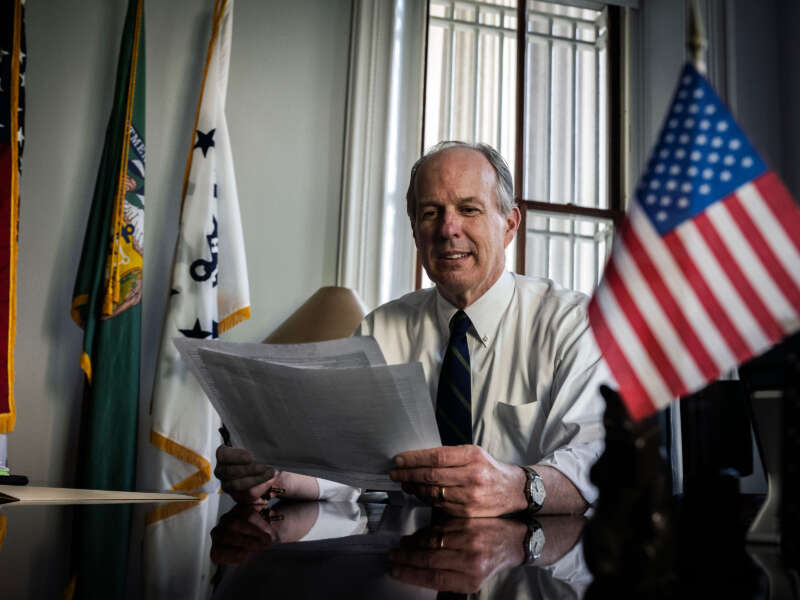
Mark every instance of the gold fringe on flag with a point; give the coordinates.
(112, 295)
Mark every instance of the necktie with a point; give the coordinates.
(454, 397)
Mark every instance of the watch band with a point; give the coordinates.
(534, 489)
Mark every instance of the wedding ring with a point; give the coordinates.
(441, 493)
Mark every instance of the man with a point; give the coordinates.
(509, 359)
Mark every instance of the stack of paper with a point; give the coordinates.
(331, 409)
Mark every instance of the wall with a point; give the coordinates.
(286, 107)
(788, 18)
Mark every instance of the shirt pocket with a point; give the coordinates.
(513, 432)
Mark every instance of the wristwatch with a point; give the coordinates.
(533, 544)
(534, 489)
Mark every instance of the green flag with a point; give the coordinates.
(106, 303)
(108, 290)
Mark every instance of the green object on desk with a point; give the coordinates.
(4, 471)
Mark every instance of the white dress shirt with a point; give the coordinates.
(535, 369)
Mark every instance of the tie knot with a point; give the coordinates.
(459, 323)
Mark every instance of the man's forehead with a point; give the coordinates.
(457, 167)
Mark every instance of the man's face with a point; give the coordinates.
(459, 231)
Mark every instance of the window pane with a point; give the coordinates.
(437, 114)
(506, 3)
(587, 33)
(573, 12)
(586, 127)
(508, 91)
(602, 129)
(440, 9)
(537, 121)
(491, 17)
(566, 102)
(539, 24)
(570, 250)
(489, 86)
(562, 125)
(562, 28)
(464, 62)
(510, 20)
(465, 12)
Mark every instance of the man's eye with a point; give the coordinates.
(428, 214)
(470, 210)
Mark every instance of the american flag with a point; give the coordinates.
(705, 270)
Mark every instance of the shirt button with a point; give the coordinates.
(485, 339)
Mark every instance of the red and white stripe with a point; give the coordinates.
(673, 313)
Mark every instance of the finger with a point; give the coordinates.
(233, 456)
(241, 485)
(447, 476)
(455, 509)
(445, 581)
(444, 456)
(252, 497)
(438, 494)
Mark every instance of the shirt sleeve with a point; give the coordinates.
(337, 492)
(575, 421)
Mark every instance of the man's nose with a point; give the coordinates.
(450, 225)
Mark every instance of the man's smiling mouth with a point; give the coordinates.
(454, 255)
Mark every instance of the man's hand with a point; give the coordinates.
(251, 482)
(459, 555)
(246, 480)
(465, 481)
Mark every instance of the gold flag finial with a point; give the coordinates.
(697, 42)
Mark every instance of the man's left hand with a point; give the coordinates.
(463, 480)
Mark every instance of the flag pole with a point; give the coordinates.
(697, 43)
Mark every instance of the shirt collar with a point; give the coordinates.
(484, 313)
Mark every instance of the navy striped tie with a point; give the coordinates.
(454, 396)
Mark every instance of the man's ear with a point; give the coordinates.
(512, 224)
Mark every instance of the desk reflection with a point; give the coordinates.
(335, 550)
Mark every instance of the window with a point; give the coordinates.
(541, 95)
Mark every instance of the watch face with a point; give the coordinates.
(537, 490)
(537, 543)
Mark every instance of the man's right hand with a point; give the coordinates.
(246, 480)
(249, 482)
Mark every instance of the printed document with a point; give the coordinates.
(330, 409)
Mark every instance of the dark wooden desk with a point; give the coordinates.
(373, 560)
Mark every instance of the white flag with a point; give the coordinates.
(209, 284)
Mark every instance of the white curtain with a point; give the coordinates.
(382, 140)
